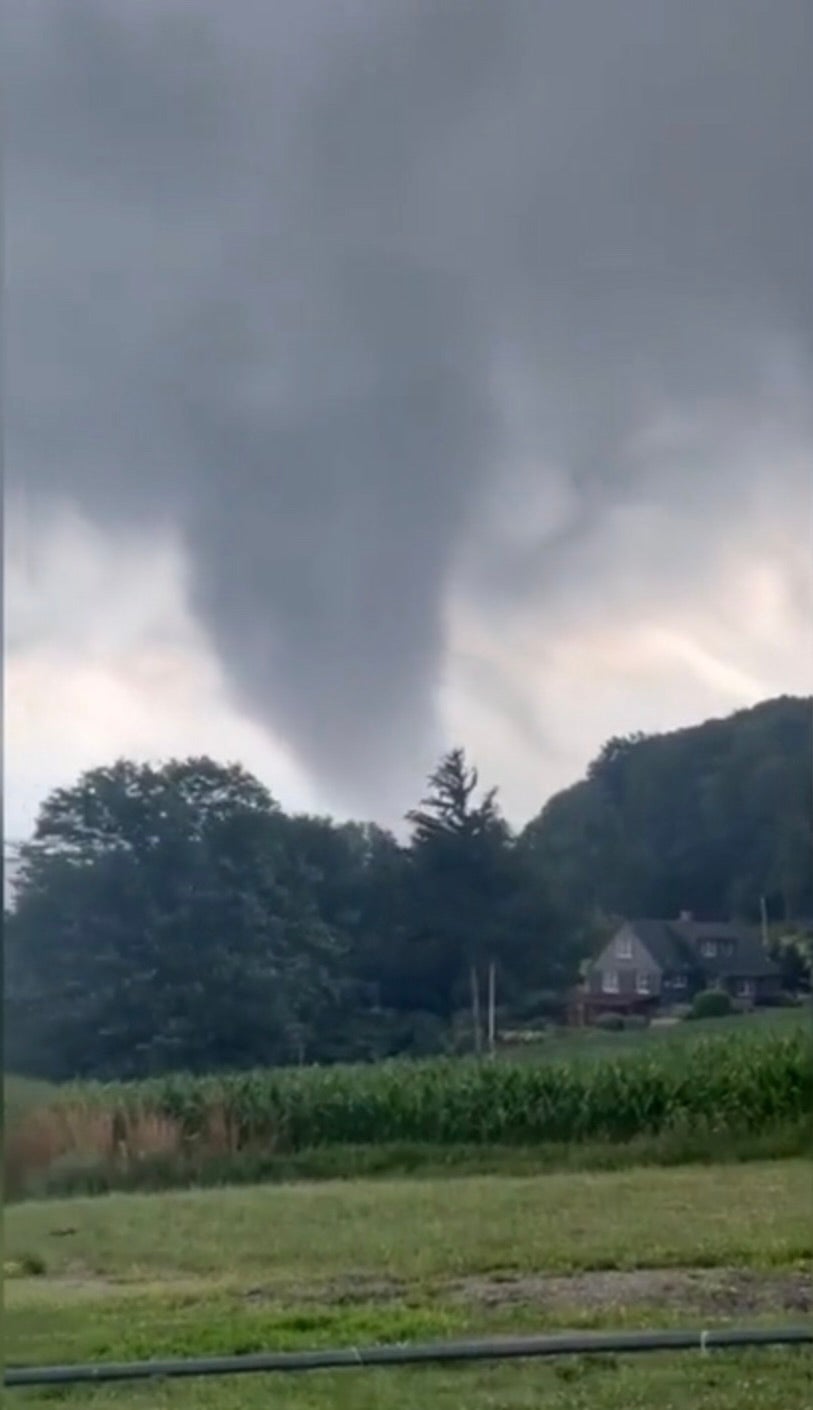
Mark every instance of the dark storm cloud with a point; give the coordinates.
(266, 261)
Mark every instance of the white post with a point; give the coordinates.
(474, 980)
(492, 1008)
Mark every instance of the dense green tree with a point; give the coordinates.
(161, 922)
(792, 949)
(358, 876)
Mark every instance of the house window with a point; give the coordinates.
(746, 988)
(623, 947)
(678, 981)
(609, 981)
(708, 949)
(643, 982)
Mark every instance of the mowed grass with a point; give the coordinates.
(352, 1263)
(593, 1044)
(759, 1213)
(764, 1380)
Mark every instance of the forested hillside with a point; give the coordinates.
(175, 917)
(707, 819)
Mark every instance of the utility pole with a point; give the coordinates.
(492, 1008)
(476, 1021)
(763, 912)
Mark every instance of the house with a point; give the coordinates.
(653, 964)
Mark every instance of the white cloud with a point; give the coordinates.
(657, 618)
(104, 660)
(535, 703)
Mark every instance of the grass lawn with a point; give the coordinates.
(566, 1044)
(233, 1270)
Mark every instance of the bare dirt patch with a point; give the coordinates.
(723, 1291)
(340, 1291)
(714, 1291)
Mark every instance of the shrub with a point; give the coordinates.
(539, 1005)
(33, 1265)
(30, 1265)
(635, 1022)
(711, 1003)
(610, 1022)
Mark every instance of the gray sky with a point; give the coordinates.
(384, 375)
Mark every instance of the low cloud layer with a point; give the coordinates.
(443, 342)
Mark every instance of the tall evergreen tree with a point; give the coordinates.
(460, 856)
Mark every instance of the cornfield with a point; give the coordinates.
(735, 1084)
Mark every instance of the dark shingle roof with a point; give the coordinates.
(749, 959)
(667, 948)
(675, 944)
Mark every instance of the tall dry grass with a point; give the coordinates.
(113, 1142)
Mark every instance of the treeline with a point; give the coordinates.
(175, 917)
(713, 819)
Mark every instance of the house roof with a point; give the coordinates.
(675, 944)
(668, 949)
(749, 959)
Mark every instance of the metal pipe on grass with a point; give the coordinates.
(488, 1348)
